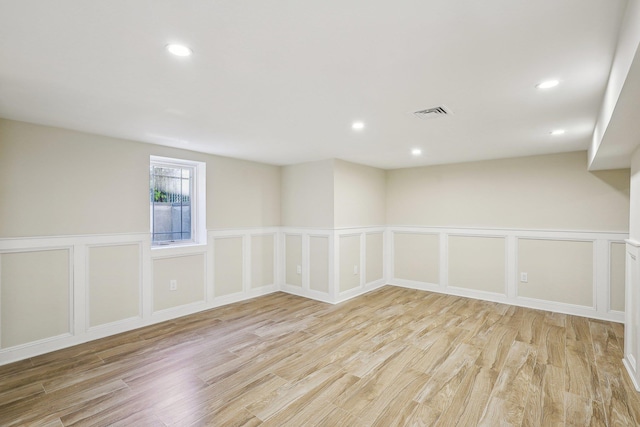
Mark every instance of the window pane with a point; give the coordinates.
(171, 203)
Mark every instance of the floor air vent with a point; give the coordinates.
(431, 113)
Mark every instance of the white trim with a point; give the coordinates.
(478, 231)
(632, 242)
(198, 200)
(362, 261)
(76, 288)
(114, 324)
(601, 280)
(443, 260)
(632, 302)
(609, 246)
(334, 266)
(627, 364)
(364, 257)
(87, 284)
(275, 236)
(37, 343)
(352, 293)
(173, 251)
(307, 293)
(601, 275)
(284, 259)
(78, 248)
(246, 263)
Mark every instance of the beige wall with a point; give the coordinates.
(189, 271)
(89, 184)
(319, 263)
(34, 296)
(332, 193)
(241, 193)
(293, 259)
(375, 257)
(262, 260)
(559, 271)
(307, 194)
(56, 182)
(227, 266)
(542, 192)
(114, 283)
(416, 257)
(477, 263)
(349, 258)
(359, 195)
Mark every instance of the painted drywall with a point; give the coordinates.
(626, 50)
(374, 257)
(416, 257)
(90, 184)
(293, 259)
(242, 193)
(114, 283)
(262, 260)
(359, 195)
(551, 192)
(34, 296)
(228, 278)
(634, 208)
(617, 276)
(59, 182)
(349, 262)
(556, 270)
(477, 263)
(319, 263)
(307, 195)
(188, 271)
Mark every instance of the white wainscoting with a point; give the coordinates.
(513, 288)
(333, 294)
(79, 313)
(332, 277)
(632, 313)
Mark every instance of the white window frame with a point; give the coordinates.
(198, 201)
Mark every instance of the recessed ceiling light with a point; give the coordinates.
(416, 152)
(557, 132)
(548, 84)
(179, 50)
(357, 126)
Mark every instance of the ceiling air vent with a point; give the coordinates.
(431, 113)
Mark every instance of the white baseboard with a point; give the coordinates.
(352, 293)
(557, 307)
(307, 293)
(631, 372)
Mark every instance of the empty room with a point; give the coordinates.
(320, 213)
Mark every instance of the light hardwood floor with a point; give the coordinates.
(391, 357)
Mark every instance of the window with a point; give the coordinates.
(176, 193)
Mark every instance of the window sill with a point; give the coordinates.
(158, 251)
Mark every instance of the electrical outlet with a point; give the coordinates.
(524, 278)
(355, 269)
(173, 285)
(299, 269)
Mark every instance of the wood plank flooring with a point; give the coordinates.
(392, 357)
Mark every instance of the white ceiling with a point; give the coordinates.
(281, 81)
